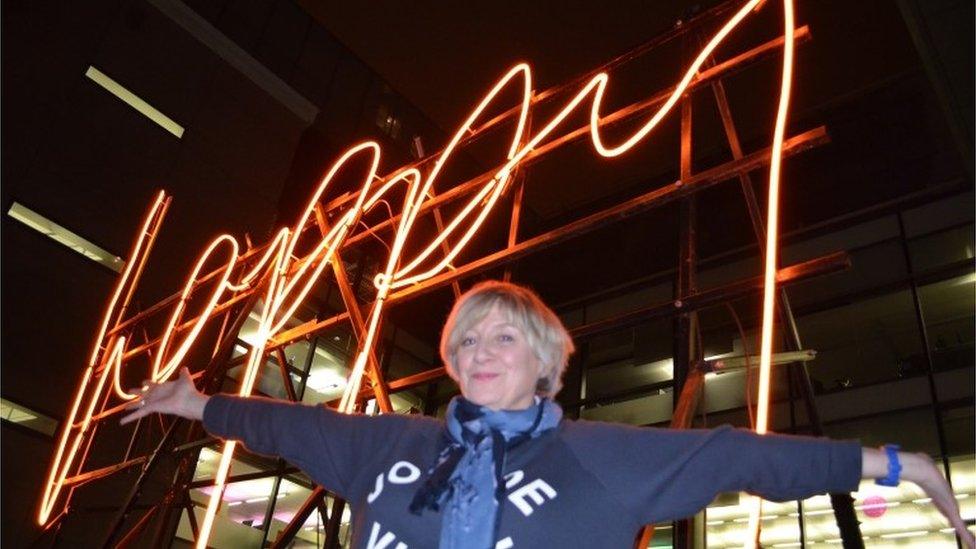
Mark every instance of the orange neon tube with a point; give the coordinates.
(62, 461)
(772, 232)
(382, 281)
(488, 194)
(275, 314)
(162, 371)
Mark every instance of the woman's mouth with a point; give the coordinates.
(483, 376)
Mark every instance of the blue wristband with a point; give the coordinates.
(894, 466)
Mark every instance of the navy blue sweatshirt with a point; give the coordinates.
(584, 484)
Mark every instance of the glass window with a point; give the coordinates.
(960, 424)
(940, 214)
(947, 307)
(244, 503)
(871, 267)
(942, 248)
(864, 342)
(899, 516)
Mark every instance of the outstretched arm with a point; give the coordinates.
(178, 397)
(329, 446)
(919, 469)
(681, 471)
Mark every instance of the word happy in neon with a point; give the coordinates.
(285, 280)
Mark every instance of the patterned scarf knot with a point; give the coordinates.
(467, 482)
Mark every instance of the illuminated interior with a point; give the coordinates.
(890, 517)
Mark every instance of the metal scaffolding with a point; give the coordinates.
(140, 523)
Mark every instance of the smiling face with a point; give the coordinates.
(495, 365)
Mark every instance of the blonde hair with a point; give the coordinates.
(544, 331)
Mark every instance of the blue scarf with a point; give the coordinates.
(467, 481)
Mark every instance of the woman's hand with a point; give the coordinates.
(178, 397)
(919, 469)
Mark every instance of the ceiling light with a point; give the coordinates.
(63, 236)
(911, 534)
(134, 101)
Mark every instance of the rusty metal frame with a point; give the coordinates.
(687, 298)
(748, 163)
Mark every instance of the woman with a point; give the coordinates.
(504, 470)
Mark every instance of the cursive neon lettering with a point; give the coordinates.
(286, 280)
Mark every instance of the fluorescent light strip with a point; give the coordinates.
(813, 513)
(62, 235)
(134, 101)
(743, 520)
(912, 534)
(15, 413)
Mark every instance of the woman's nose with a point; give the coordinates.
(482, 351)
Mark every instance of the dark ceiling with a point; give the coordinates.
(443, 55)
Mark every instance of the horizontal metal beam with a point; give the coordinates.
(792, 274)
(831, 263)
(404, 383)
(705, 77)
(652, 199)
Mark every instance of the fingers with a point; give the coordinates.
(139, 405)
(960, 526)
(946, 502)
(927, 476)
(139, 411)
(166, 398)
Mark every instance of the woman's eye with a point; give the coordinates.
(506, 338)
(467, 342)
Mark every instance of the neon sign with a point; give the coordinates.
(285, 280)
